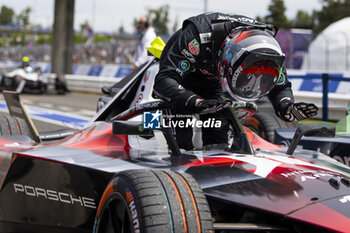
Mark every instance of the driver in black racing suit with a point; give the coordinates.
(215, 54)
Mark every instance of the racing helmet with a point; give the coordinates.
(249, 62)
(25, 61)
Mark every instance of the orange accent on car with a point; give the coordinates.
(18, 129)
(258, 142)
(107, 191)
(180, 202)
(194, 204)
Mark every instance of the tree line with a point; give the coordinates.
(331, 11)
(8, 16)
(317, 20)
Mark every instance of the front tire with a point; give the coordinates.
(153, 201)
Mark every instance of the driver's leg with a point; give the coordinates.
(183, 134)
(215, 135)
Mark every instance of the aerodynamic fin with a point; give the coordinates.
(16, 109)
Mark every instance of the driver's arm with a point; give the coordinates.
(176, 62)
(281, 92)
(282, 100)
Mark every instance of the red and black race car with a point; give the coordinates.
(116, 175)
(267, 125)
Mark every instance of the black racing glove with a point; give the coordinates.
(208, 106)
(193, 103)
(187, 102)
(289, 111)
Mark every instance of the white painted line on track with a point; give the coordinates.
(86, 112)
(53, 116)
(65, 108)
(29, 102)
(46, 105)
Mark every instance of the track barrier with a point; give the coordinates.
(329, 91)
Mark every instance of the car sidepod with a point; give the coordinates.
(299, 189)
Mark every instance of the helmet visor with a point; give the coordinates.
(256, 81)
(256, 76)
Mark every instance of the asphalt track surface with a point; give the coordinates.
(79, 104)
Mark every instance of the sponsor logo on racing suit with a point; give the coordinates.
(193, 46)
(205, 37)
(188, 55)
(184, 65)
(236, 18)
(281, 79)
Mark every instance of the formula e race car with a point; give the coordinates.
(26, 79)
(269, 127)
(125, 173)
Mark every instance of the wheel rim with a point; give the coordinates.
(116, 216)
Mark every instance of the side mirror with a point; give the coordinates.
(317, 129)
(131, 128)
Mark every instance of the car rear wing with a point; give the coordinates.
(16, 109)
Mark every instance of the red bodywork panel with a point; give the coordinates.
(278, 184)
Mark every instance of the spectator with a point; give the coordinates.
(147, 36)
(119, 52)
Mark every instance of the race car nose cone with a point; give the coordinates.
(318, 214)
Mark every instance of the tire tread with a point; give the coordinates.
(159, 195)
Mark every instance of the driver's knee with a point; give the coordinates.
(217, 133)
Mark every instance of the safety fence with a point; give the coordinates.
(108, 70)
(329, 91)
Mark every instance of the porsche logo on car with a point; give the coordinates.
(53, 195)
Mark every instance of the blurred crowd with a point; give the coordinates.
(101, 53)
(105, 53)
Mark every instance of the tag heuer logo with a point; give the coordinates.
(193, 46)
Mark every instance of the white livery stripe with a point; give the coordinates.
(266, 163)
(264, 45)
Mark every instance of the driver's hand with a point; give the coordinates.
(244, 109)
(207, 106)
(298, 111)
(193, 103)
